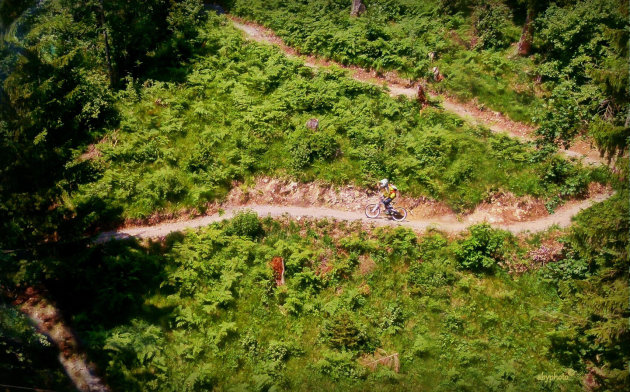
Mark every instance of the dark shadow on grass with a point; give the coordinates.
(24, 360)
(106, 284)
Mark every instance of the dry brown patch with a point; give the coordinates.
(266, 190)
(381, 358)
(90, 153)
(364, 289)
(366, 264)
(325, 265)
(505, 207)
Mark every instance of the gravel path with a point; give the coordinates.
(494, 121)
(561, 218)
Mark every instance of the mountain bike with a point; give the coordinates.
(374, 210)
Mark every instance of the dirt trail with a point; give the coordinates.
(562, 218)
(396, 85)
(505, 211)
(48, 321)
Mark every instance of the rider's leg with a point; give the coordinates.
(388, 207)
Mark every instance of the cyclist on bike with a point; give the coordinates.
(389, 193)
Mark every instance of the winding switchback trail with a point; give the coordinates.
(561, 218)
(496, 122)
(396, 85)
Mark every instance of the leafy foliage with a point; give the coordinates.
(242, 111)
(480, 251)
(245, 224)
(492, 23)
(215, 317)
(597, 298)
(584, 58)
(56, 94)
(580, 54)
(202, 310)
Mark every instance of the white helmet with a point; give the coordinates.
(383, 183)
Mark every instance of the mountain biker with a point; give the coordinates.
(389, 193)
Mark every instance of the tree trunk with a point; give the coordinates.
(110, 69)
(525, 43)
(357, 8)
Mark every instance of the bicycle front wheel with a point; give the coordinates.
(399, 215)
(372, 210)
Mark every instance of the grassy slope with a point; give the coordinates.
(398, 36)
(201, 310)
(242, 110)
(214, 317)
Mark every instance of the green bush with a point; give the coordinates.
(245, 223)
(340, 366)
(393, 320)
(480, 251)
(569, 181)
(493, 25)
(565, 270)
(342, 332)
(429, 275)
(307, 146)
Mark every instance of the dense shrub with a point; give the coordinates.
(429, 275)
(583, 55)
(340, 366)
(341, 332)
(480, 251)
(307, 146)
(493, 25)
(245, 223)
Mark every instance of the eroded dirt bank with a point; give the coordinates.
(273, 197)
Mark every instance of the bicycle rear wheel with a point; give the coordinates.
(372, 210)
(399, 214)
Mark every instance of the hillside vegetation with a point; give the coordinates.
(242, 110)
(202, 310)
(123, 109)
(572, 81)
